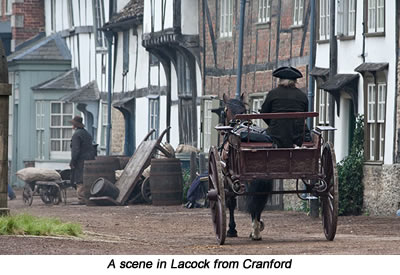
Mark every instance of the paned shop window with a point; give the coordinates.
(375, 16)
(322, 107)
(60, 127)
(226, 18)
(324, 15)
(376, 109)
(208, 106)
(264, 11)
(347, 17)
(298, 11)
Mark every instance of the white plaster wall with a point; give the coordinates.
(119, 65)
(163, 79)
(174, 126)
(143, 65)
(190, 17)
(154, 75)
(53, 165)
(85, 58)
(174, 83)
(163, 114)
(199, 133)
(142, 119)
(133, 43)
(199, 82)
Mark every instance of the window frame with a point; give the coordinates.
(154, 116)
(98, 22)
(40, 129)
(104, 124)
(298, 13)
(264, 11)
(375, 119)
(60, 154)
(326, 18)
(8, 7)
(374, 30)
(347, 16)
(226, 16)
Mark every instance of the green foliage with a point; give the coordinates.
(24, 224)
(350, 172)
(186, 183)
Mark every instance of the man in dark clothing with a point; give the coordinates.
(81, 149)
(286, 98)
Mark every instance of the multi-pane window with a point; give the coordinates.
(346, 17)
(154, 114)
(70, 14)
(208, 106)
(104, 123)
(8, 6)
(40, 105)
(226, 18)
(376, 108)
(323, 107)
(256, 105)
(298, 11)
(99, 22)
(324, 15)
(60, 126)
(376, 16)
(53, 10)
(264, 11)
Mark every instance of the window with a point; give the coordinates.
(40, 129)
(60, 127)
(298, 11)
(208, 106)
(256, 104)
(376, 16)
(264, 11)
(104, 123)
(154, 113)
(70, 14)
(346, 17)
(8, 6)
(376, 108)
(324, 21)
(323, 107)
(99, 22)
(226, 18)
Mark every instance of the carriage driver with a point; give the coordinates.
(286, 98)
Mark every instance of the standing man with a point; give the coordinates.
(81, 149)
(286, 98)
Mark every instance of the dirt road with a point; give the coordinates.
(146, 229)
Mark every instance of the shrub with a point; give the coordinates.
(350, 172)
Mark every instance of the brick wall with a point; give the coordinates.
(260, 56)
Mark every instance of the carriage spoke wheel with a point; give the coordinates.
(145, 190)
(50, 195)
(329, 198)
(217, 195)
(27, 194)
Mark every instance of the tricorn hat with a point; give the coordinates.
(287, 73)
(77, 122)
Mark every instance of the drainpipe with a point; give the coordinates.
(311, 64)
(109, 37)
(332, 62)
(5, 92)
(240, 56)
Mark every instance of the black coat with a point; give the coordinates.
(81, 149)
(286, 132)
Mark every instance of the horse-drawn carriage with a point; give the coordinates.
(312, 164)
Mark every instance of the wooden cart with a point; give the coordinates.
(314, 164)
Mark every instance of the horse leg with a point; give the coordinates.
(231, 204)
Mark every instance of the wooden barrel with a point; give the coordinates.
(166, 182)
(123, 160)
(99, 168)
(102, 187)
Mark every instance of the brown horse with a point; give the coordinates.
(254, 204)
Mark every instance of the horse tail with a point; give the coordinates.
(256, 204)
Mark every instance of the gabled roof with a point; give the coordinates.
(133, 10)
(89, 92)
(66, 81)
(51, 47)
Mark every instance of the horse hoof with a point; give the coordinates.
(232, 234)
(262, 225)
(253, 238)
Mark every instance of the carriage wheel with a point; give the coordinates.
(329, 198)
(27, 194)
(50, 195)
(216, 195)
(145, 190)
